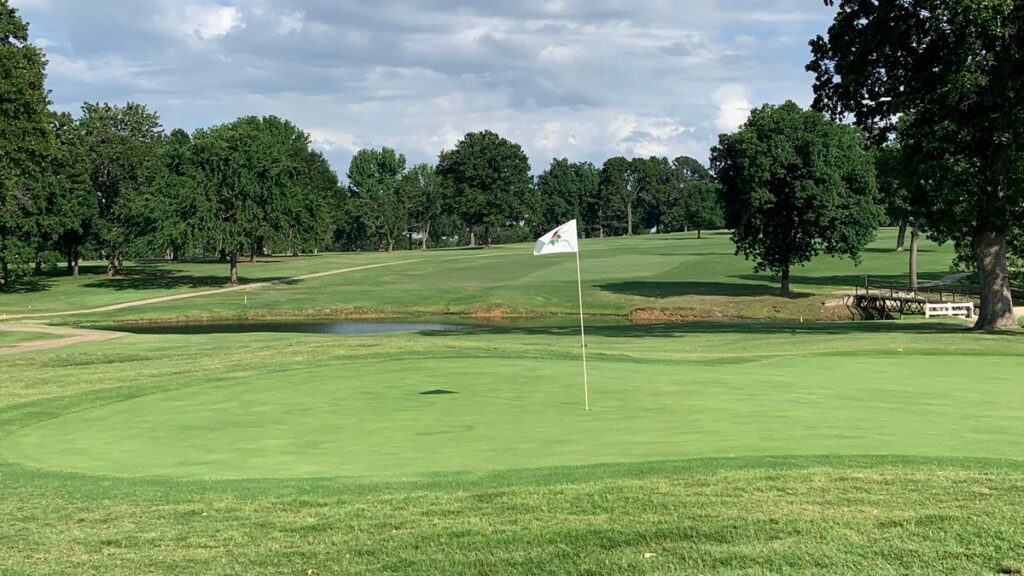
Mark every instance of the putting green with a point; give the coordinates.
(371, 418)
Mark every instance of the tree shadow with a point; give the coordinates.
(27, 285)
(849, 280)
(147, 278)
(670, 289)
(697, 329)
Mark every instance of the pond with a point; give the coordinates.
(293, 327)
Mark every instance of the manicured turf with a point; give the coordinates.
(697, 278)
(713, 448)
(371, 417)
(192, 405)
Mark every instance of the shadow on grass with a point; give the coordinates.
(623, 329)
(27, 285)
(149, 278)
(847, 280)
(669, 289)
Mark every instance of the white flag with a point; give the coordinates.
(561, 239)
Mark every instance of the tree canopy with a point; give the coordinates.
(796, 185)
(490, 177)
(945, 77)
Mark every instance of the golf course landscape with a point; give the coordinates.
(731, 431)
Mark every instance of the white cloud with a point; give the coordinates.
(733, 102)
(207, 21)
(330, 140)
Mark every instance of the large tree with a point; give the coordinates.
(123, 144)
(694, 198)
(565, 189)
(620, 187)
(491, 183)
(375, 182)
(427, 194)
(796, 185)
(247, 171)
(947, 76)
(26, 141)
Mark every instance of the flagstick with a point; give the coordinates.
(583, 336)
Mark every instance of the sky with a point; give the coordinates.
(577, 79)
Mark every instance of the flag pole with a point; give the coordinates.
(583, 336)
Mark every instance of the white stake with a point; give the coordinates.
(583, 336)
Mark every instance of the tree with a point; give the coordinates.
(375, 182)
(172, 208)
(796, 185)
(247, 171)
(946, 76)
(565, 189)
(619, 185)
(655, 193)
(123, 143)
(694, 199)
(491, 183)
(77, 206)
(314, 206)
(26, 140)
(427, 192)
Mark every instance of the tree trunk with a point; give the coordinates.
(914, 237)
(487, 237)
(698, 233)
(223, 255)
(75, 259)
(785, 283)
(996, 312)
(252, 254)
(391, 245)
(234, 267)
(629, 218)
(5, 273)
(600, 231)
(111, 267)
(902, 237)
(472, 237)
(70, 266)
(425, 235)
(120, 262)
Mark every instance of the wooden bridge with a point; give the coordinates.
(900, 301)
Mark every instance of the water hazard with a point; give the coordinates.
(310, 327)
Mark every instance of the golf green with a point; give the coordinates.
(414, 415)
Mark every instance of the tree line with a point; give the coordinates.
(113, 184)
(912, 124)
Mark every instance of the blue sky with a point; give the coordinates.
(583, 79)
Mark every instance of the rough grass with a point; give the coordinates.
(805, 513)
(691, 278)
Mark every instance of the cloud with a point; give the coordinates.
(733, 102)
(584, 79)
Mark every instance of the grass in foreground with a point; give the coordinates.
(726, 384)
(691, 278)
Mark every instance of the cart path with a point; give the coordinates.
(71, 336)
(251, 286)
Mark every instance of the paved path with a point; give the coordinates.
(70, 336)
